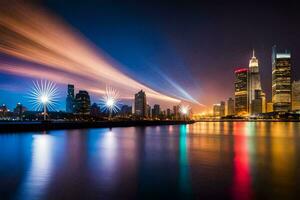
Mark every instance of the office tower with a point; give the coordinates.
(254, 79)
(269, 107)
(19, 110)
(176, 112)
(222, 109)
(230, 106)
(82, 102)
(149, 111)
(296, 95)
(281, 81)
(256, 103)
(140, 104)
(168, 112)
(241, 92)
(156, 110)
(70, 100)
(126, 111)
(216, 110)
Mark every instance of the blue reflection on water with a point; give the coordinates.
(184, 176)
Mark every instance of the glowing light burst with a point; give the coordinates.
(184, 109)
(43, 93)
(110, 101)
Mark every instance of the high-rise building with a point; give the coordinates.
(256, 103)
(296, 95)
(82, 102)
(149, 111)
(216, 110)
(269, 107)
(156, 110)
(140, 104)
(176, 112)
(230, 106)
(70, 100)
(281, 81)
(168, 112)
(222, 109)
(254, 81)
(126, 111)
(263, 101)
(19, 110)
(241, 92)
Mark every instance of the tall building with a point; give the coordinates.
(254, 81)
(216, 110)
(176, 112)
(230, 106)
(296, 95)
(140, 104)
(82, 102)
(241, 92)
(222, 109)
(269, 107)
(156, 110)
(70, 100)
(256, 103)
(149, 113)
(19, 110)
(281, 81)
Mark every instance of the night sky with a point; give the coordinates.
(179, 46)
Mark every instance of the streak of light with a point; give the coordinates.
(31, 33)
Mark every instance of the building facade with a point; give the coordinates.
(217, 110)
(156, 111)
(241, 92)
(254, 80)
(281, 81)
(70, 100)
(296, 95)
(230, 106)
(82, 103)
(140, 104)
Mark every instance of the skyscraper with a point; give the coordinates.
(140, 104)
(222, 109)
(281, 81)
(254, 80)
(156, 110)
(70, 100)
(83, 102)
(296, 95)
(216, 110)
(230, 106)
(241, 91)
(256, 106)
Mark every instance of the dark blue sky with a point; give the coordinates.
(182, 45)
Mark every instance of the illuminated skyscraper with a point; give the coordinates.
(296, 95)
(70, 101)
(241, 91)
(140, 104)
(230, 106)
(281, 81)
(269, 107)
(216, 110)
(156, 110)
(83, 102)
(254, 80)
(222, 109)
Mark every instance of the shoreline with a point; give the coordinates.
(16, 127)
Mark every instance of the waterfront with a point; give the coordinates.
(225, 160)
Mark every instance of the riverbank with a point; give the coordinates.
(11, 127)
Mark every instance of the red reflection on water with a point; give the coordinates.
(241, 181)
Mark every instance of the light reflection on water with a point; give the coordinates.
(239, 160)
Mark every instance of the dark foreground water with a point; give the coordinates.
(209, 160)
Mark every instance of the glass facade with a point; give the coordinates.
(281, 81)
(241, 91)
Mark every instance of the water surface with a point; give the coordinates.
(208, 160)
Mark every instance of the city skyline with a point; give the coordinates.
(201, 80)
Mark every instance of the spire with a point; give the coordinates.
(253, 56)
